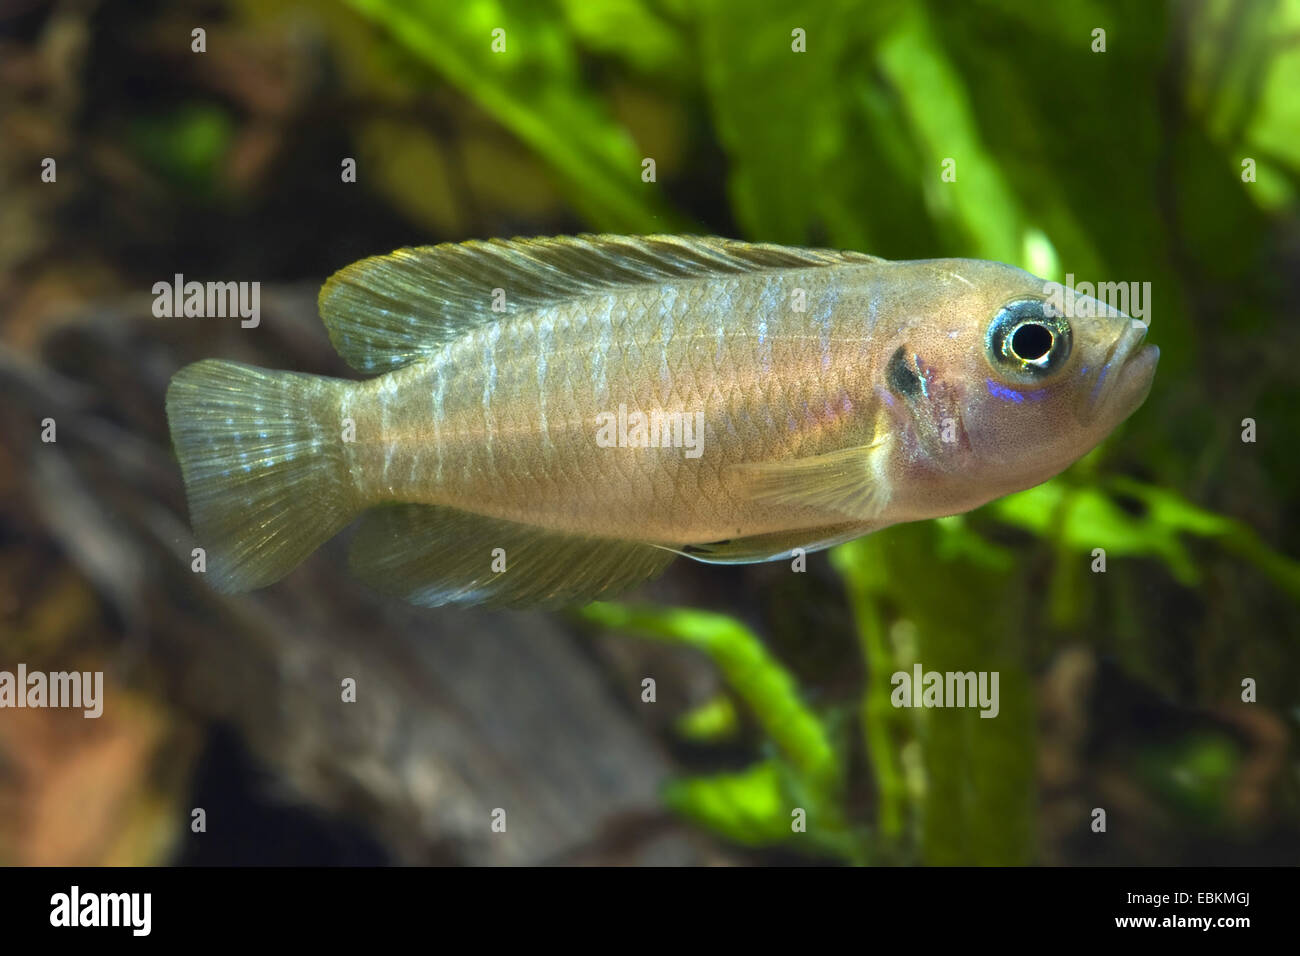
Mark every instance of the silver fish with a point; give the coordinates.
(553, 420)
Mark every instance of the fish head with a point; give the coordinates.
(997, 380)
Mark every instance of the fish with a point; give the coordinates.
(554, 420)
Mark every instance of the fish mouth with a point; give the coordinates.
(1125, 378)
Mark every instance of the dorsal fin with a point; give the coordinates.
(387, 311)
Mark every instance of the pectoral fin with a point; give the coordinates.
(850, 482)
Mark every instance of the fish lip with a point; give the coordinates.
(1127, 359)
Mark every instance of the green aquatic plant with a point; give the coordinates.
(948, 786)
(1171, 156)
(529, 78)
(804, 772)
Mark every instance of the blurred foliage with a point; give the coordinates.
(1122, 165)
(1126, 163)
(714, 720)
(186, 146)
(952, 787)
(805, 771)
(532, 84)
(1195, 775)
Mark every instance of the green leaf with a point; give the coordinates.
(535, 89)
(187, 145)
(749, 807)
(714, 720)
(1194, 774)
(945, 134)
(627, 29)
(758, 679)
(1081, 519)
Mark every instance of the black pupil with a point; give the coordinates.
(1031, 342)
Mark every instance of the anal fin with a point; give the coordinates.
(431, 556)
(772, 547)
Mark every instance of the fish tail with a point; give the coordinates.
(264, 466)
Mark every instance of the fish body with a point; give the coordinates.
(578, 410)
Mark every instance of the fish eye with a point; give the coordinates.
(1028, 341)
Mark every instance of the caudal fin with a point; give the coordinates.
(263, 461)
